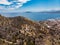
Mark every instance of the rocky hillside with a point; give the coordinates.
(22, 31)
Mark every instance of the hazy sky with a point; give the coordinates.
(29, 5)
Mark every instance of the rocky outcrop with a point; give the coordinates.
(22, 31)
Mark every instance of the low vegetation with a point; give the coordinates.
(22, 31)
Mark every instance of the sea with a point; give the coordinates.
(36, 16)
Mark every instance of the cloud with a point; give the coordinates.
(5, 2)
(12, 4)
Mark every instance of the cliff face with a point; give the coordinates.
(22, 31)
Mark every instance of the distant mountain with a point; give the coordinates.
(50, 12)
(22, 31)
(53, 11)
(28, 12)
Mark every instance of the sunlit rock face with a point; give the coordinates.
(22, 31)
(12, 4)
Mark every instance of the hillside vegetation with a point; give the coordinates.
(22, 31)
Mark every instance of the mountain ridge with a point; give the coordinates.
(22, 31)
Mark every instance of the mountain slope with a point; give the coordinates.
(22, 31)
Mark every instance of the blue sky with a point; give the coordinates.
(29, 5)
